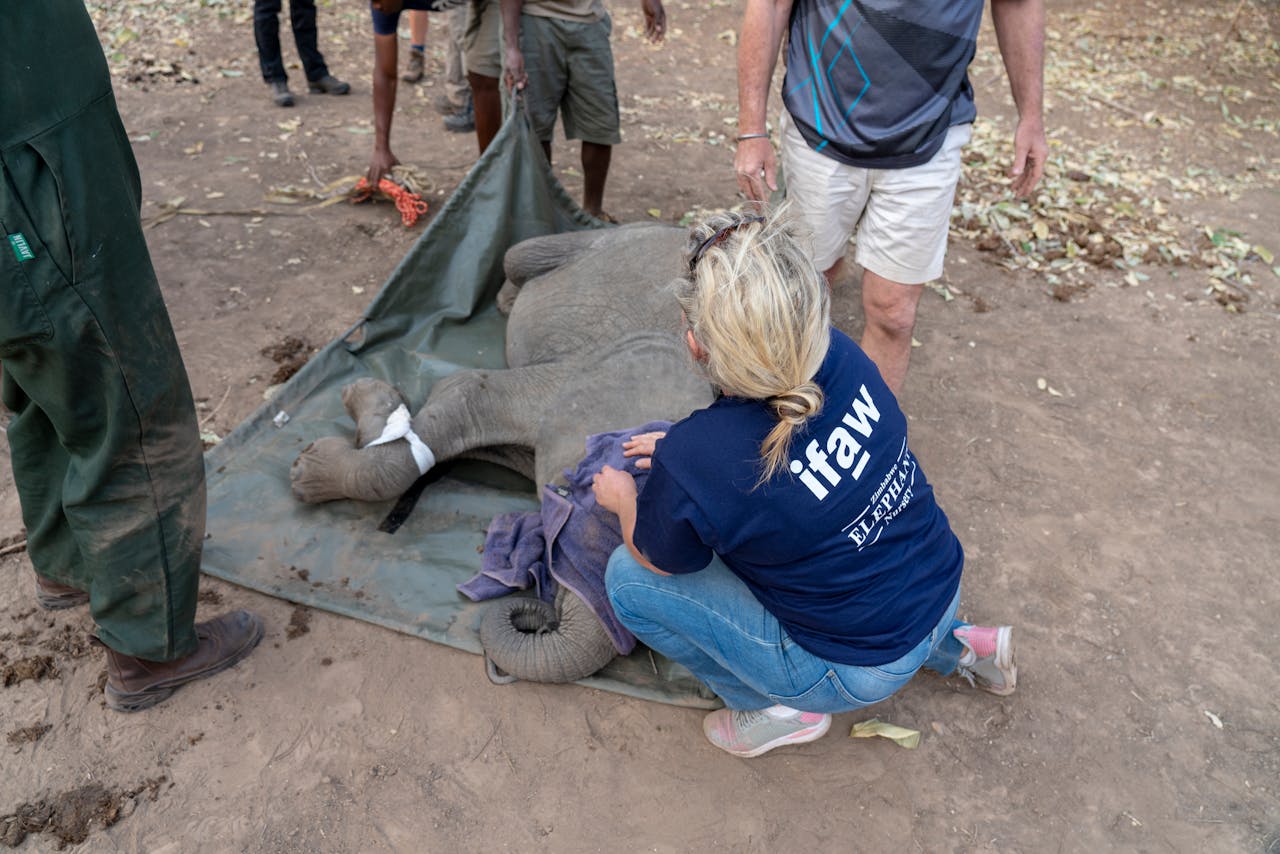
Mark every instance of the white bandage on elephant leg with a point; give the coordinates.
(400, 426)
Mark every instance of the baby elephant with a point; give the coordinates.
(594, 343)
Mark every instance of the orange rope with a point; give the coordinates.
(410, 204)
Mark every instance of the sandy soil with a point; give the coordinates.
(1106, 451)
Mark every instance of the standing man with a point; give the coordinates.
(103, 441)
(878, 107)
(454, 103)
(481, 56)
(558, 52)
(266, 32)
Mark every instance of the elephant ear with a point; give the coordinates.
(532, 640)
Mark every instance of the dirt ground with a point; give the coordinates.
(1101, 432)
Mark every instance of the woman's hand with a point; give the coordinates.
(642, 446)
(614, 489)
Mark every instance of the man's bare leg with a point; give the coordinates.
(889, 311)
(833, 272)
(487, 98)
(419, 25)
(595, 169)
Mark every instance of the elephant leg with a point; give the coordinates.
(465, 411)
(332, 468)
(486, 409)
(531, 258)
(532, 640)
(370, 402)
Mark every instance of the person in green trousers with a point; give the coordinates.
(103, 439)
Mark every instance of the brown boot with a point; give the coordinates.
(134, 684)
(53, 596)
(416, 68)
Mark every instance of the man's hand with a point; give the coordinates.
(379, 165)
(614, 489)
(764, 22)
(513, 72)
(1019, 26)
(1030, 150)
(655, 20)
(757, 168)
(642, 446)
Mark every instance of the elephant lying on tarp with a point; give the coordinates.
(593, 343)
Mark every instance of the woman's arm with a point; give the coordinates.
(615, 491)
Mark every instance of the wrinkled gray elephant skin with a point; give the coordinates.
(594, 343)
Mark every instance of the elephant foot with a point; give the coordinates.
(370, 402)
(330, 468)
(506, 297)
(315, 475)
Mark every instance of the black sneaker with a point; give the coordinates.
(328, 85)
(280, 93)
(462, 121)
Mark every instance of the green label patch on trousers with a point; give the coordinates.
(21, 249)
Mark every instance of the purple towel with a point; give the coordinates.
(567, 542)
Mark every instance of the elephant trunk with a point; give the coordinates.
(538, 642)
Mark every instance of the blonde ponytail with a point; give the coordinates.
(759, 308)
(793, 409)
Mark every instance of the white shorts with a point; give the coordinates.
(899, 217)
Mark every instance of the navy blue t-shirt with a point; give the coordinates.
(877, 83)
(848, 549)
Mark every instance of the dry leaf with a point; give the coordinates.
(942, 291)
(901, 736)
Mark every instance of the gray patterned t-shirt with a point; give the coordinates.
(877, 83)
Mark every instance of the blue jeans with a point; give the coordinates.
(710, 622)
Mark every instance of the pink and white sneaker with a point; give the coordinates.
(758, 731)
(988, 659)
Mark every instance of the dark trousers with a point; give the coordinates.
(104, 440)
(266, 32)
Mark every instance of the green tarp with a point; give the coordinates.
(434, 316)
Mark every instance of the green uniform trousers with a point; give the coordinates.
(104, 440)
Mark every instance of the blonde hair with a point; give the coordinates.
(759, 308)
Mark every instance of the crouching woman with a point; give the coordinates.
(787, 548)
